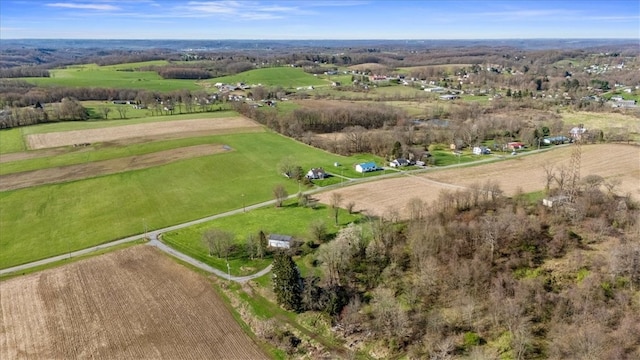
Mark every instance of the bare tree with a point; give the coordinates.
(355, 135)
(416, 208)
(218, 242)
(280, 194)
(122, 111)
(336, 199)
(105, 110)
(549, 175)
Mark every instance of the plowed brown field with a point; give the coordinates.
(164, 129)
(129, 304)
(611, 161)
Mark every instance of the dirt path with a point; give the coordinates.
(82, 171)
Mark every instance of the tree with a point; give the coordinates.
(122, 111)
(105, 111)
(318, 230)
(218, 242)
(288, 168)
(287, 283)
(280, 193)
(263, 244)
(336, 199)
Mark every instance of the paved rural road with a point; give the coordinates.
(153, 235)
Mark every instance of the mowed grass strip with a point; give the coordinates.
(290, 219)
(48, 220)
(11, 140)
(287, 77)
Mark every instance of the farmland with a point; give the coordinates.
(51, 219)
(112, 77)
(524, 173)
(286, 77)
(133, 303)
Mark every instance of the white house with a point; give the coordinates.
(316, 173)
(366, 167)
(280, 241)
(399, 162)
(481, 150)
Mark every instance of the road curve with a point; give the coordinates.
(155, 241)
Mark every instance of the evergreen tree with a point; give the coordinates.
(287, 283)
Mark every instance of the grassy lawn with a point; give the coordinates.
(11, 140)
(112, 77)
(52, 219)
(286, 77)
(289, 220)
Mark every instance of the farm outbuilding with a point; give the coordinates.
(280, 241)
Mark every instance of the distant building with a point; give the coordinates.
(366, 167)
(316, 173)
(280, 241)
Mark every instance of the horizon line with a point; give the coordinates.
(329, 39)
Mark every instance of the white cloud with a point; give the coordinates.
(101, 7)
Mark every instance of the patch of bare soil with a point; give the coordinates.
(391, 196)
(368, 66)
(130, 304)
(82, 171)
(163, 129)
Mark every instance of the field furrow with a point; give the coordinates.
(131, 304)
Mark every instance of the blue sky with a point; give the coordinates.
(318, 19)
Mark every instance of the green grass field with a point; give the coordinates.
(52, 219)
(286, 77)
(289, 220)
(91, 75)
(11, 140)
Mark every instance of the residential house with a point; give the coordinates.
(366, 167)
(449, 97)
(280, 241)
(481, 150)
(555, 140)
(316, 173)
(515, 145)
(399, 162)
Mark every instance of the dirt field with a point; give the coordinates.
(611, 161)
(164, 129)
(93, 169)
(130, 304)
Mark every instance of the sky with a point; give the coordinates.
(319, 19)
